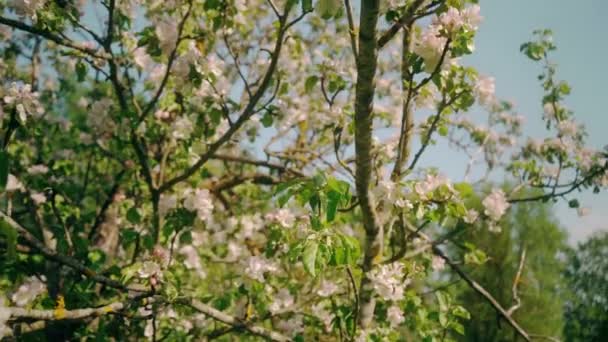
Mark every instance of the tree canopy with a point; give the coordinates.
(227, 169)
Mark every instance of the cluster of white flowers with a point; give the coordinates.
(284, 217)
(430, 184)
(471, 216)
(292, 326)
(431, 42)
(430, 46)
(38, 197)
(200, 201)
(5, 314)
(567, 128)
(192, 260)
(394, 314)
(496, 206)
(166, 31)
(28, 291)
(182, 128)
(149, 269)
(166, 203)
(38, 169)
(325, 316)
(256, 266)
(98, 117)
(453, 19)
(25, 101)
(485, 89)
(27, 8)
(185, 60)
(327, 288)
(13, 184)
(388, 281)
(438, 263)
(282, 300)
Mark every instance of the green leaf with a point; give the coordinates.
(461, 312)
(310, 83)
(309, 257)
(443, 299)
(573, 203)
(333, 199)
(133, 215)
(81, 71)
(10, 235)
(4, 166)
(306, 5)
(267, 119)
(458, 327)
(328, 8)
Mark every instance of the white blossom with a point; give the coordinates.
(27, 8)
(282, 300)
(484, 89)
(324, 315)
(38, 169)
(430, 46)
(28, 291)
(292, 326)
(471, 216)
(394, 314)
(182, 128)
(38, 197)
(327, 288)
(256, 266)
(201, 202)
(25, 101)
(567, 128)
(284, 217)
(387, 281)
(149, 269)
(13, 184)
(192, 260)
(583, 211)
(5, 314)
(438, 263)
(166, 203)
(495, 204)
(166, 31)
(430, 184)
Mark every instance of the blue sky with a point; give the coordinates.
(580, 31)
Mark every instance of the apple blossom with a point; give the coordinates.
(25, 101)
(28, 291)
(200, 201)
(394, 314)
(495, 204)
(387, 281)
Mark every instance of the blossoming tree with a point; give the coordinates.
(191, 169)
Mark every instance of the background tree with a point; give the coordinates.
(248, 169)
(585, 316)
(539, 288)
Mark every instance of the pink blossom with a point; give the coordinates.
(495, 204)
(484, 89)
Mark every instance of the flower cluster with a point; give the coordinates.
(284, 217)
(28, 291)
(496, 206)
(199, 201)
(388, 281)
(25, 101)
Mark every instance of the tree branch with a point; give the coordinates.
(247, 112)
(53, 37)
(58, 315)
(230, 320)
(484, 293)
(364, 97)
